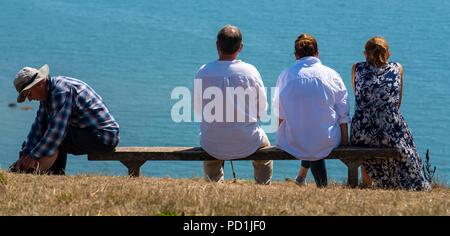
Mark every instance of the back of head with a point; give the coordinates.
(229, 39)
(377, 51)
(305, 46)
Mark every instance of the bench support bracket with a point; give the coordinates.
(134, 167)
(352, 166)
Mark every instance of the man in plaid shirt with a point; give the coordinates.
(72, 118)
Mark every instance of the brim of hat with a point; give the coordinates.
(43, 73)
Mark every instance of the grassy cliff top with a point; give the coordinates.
(22, 194)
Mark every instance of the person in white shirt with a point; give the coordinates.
(312, 106)
(230, 97)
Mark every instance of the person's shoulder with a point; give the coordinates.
(62, 84)
(59, 88)
(205, 68)
(360, 64)
(357, 64)
(246, 66)
(394, 63)
(289, 73)
(291, 69)
(333, 77)
(243, 68)
(330, 71)
(396, 66)
(64, 79)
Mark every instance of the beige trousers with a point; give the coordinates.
(262, 169)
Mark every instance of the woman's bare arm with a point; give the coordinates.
(353, 76)
(401, 85)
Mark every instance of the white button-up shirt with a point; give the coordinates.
(312, 101)
(230, 95)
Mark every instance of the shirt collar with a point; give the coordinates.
(49, 89)
(230, 62)
(307, 61)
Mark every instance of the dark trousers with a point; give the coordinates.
(78, 142)
(318, 170)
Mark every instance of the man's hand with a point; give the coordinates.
(26, 163)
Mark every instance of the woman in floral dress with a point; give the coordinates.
(377, 121)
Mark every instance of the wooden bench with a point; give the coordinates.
(134, 157)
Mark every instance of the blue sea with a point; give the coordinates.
(134, 53)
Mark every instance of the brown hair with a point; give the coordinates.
(306, 45)
(377, 51)
(229, 39)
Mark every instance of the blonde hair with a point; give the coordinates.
(377, 51)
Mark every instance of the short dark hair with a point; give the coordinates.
(305, 46)
(229, 39)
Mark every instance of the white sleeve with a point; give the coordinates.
(276, 97)
(342, 105)
(262, 97)
(197, 100)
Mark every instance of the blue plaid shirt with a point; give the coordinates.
(69, 102)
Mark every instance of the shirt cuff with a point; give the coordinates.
(344, 119)
(33, 157)
(25, 152)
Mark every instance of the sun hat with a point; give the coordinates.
(27, 78)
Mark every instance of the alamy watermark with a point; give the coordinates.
(229, 104)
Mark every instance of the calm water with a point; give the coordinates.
(134, 53)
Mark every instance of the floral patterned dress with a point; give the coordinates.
(377, 122)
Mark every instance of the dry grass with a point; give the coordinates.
(107, 195)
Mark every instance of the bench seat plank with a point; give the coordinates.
(198, 154)
(134, 157)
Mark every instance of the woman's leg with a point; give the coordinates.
(319, 172)
(304, 169)
(301, 177)
(366, 180)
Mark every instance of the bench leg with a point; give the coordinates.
(352, 166)
(134, 167)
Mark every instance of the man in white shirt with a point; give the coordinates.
(312, 106)
(230, 97)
